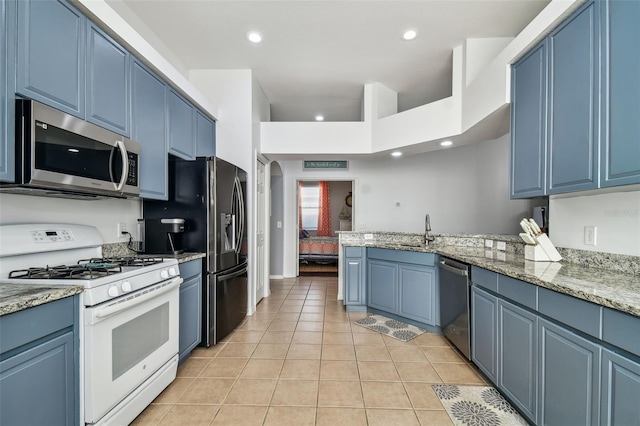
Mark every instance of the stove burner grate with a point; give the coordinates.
(88, 271)
(122, 261)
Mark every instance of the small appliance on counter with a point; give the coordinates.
(164, 236)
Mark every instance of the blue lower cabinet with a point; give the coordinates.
(190, 308)
(569, 377)
(382, 285)
(484, 332)
(354, 292)
(39, 369)
(42, 375)
(416, 293)
(517, 357)
(620, 399)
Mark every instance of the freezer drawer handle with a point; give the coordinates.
(232, 275)
(463, 272)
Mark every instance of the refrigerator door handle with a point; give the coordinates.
(240, 211)
(232, 274)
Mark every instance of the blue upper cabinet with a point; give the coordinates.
(205, 136)
(573, 103)
(51, 54)
(528, 119)
(7, 89)
(182, 141)
(107, 82)
(148, 106)
(620, 102)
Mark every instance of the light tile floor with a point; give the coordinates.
(300, 360)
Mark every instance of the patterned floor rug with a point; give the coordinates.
(392, 328)
(477, 406)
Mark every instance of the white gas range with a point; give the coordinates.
(129, 317)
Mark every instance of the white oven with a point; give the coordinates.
(126, 341)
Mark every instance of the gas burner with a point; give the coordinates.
(122, 261)
(85, 271)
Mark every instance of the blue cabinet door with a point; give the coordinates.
(205, 136)
(51, 54)
(7, 89)
(107, 82)
(620, 390)
(417, 299)
(354, 289)
(382, 285)
(528, 124)
(484, 332)
(517, 357)
(190, 308)
(181, 126)
(38, 385)
(620, 99)
(569, 377)
(573, 103)
(148, 128)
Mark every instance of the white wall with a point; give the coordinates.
(103, 214)
(465, 190)
(616, 215)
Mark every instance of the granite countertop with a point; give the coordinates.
(16, 297)
(608, 288)
(182, 258)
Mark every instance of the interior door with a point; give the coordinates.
(261, 215)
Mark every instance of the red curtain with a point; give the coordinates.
(324, 211)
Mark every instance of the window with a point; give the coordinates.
(309, 205)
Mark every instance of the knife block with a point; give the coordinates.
(535, 253)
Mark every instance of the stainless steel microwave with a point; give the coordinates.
(61, 155)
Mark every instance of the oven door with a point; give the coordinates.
(126, 341)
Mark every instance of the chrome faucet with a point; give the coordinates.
(427, 228)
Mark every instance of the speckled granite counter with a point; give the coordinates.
(182, 258)
(16, 297)
(613, 289)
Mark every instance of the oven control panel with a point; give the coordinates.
(52, 236)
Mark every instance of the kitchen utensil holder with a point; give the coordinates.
(535, 253)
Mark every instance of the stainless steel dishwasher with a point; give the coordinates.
(455, 286)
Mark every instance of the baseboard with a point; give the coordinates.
(276, 277)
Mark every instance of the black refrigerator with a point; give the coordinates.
(209, 193)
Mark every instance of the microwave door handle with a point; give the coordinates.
(125, 164)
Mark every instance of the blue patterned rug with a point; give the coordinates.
(477, 406)
(392, 328)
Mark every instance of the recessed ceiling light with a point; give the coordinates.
(446, 143)
(410, 34)
(396, 154)
(319, 117)
(254, 36)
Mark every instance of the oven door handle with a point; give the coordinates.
(127, 304)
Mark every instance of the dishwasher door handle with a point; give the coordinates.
(445, 265)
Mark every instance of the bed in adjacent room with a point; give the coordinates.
(318, 249)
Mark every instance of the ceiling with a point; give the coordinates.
(316, 56)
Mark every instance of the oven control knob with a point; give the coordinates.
(113, 291)
(164, 274)
(126, 286)
(173, 272)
